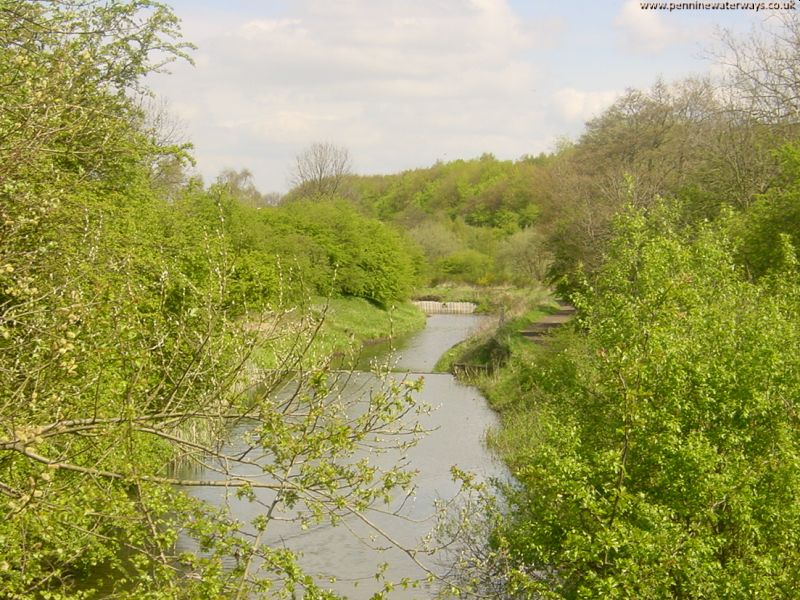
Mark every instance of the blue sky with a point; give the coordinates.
(403, 83)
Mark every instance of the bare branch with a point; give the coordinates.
(319, 169)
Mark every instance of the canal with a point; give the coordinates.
(345, 558)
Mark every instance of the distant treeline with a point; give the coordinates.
(470, 220)
(484, 220)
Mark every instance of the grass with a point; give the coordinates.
(350, 320)
(333, 327)
(342, 326)
(491, 346)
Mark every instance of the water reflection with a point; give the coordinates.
(353, 552)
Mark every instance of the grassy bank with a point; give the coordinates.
(334, 327)
(350, 321)
(490, 347)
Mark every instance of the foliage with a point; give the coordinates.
(352, 255)
(459, 213)
(655, 448)
(282, 255)
(343, 326)
(123, 347)
(773, 221)
(657, 453)
(677, 141)
(466, 266)
(523, 257)
(499, 341)
(65, 69)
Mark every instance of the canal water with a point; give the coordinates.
(352, 552)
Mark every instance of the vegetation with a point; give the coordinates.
(491, 347)
(654, 445)
(143, 316)
(132, 305)
(319, 170)
(343, 326)
(471, 219)
(657, 451)
(280, 256)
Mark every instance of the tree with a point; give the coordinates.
(436, 239)
(656, 454)
(353, 255)
(523, 257)
(319, 170)
(771, 221)
(120, 354)
(240, 185)
(645, 145)
(762, 69)
(68, 69)
(171, 161)
(677, 141)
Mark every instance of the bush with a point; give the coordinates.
(661, 455)
(466, 266)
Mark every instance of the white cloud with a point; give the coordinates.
(259, 28)
(403, 83)
(646, 29)
(577, 105)
(399, 82)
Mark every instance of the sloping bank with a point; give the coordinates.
(496, 360)
(331, 328)
(488, 351)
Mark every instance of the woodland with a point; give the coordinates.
(654, 442)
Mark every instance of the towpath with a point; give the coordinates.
(549, 322)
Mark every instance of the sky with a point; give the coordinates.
(403, 83)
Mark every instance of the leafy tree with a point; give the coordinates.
(468, 266)
(364, 257)
(122, 352)
(436, 239)
(678, 141)
(658, 455)
(240, 185)
(66, 67)
(523, 257)
(772, 221)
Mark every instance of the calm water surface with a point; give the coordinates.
(458, 423)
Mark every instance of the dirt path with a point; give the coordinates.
(550, 322)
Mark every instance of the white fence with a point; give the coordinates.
(446, 308)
